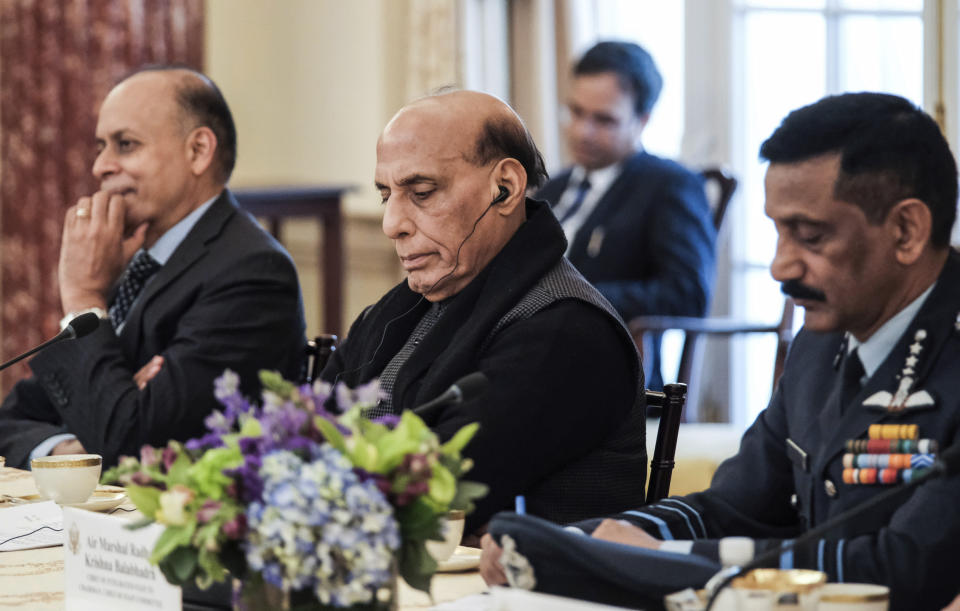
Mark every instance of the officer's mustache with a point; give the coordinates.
(798, 290)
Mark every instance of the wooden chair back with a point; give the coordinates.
(720, 186)
(317, 352)
(670, 402)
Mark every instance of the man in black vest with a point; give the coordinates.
(488, 290)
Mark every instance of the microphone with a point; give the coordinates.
(945, 465)
(466, 388)
(82, 325)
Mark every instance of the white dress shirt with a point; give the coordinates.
(600, 181)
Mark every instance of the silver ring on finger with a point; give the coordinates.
(83, 213)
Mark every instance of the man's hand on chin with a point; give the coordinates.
(70, 446)
(93, 251)
(618, 531)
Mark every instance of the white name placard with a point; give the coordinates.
(107, 565)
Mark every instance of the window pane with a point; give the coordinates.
(883, 5)
(784, 68)
(779, 4)
(754, 354)
(658, 27)
(882, 54)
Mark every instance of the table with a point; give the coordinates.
(32, 580)
(323, 203)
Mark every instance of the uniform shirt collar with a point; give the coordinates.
(163, 249)
(875, 350)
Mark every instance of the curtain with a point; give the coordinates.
(432, 60)
(57, 62)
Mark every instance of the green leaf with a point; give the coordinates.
(413, 427)
(147, 499)
(467, 492)
(171, 538)
(273, 381)
(460, 439)
(373, 431)
(168, 573)
(362, 453)
(393, 447)
(211, 568)
(178, 472)
(183, 562)
(251, 428)
(331, 433)
(207, 473)
(443, 486)
(416, 565)
(419, 521)
(141, 523)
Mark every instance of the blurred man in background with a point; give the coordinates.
(638, 226)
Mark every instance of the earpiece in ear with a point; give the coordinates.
(504, 194)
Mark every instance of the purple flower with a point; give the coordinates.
(236, 528)
(141, 479)
(251, 445)
(416, 465)
(208, 441)
(148, 456)
(248, 480)
(169, 457)
(208, 510)
(388, 420)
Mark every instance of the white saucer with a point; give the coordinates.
(463, 559)
(104, 498)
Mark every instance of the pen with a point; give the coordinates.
(520, 505)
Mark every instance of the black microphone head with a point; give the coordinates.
(85, 324)
(472, 385)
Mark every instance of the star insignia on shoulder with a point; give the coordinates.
(905, 398)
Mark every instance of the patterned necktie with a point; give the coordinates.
(136, 275)
(582, 191)
(853, 372)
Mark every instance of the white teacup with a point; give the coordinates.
(66, 478)
(774, 589)
(452, 533)
(854, 596)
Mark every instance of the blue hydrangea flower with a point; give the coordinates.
(318, 526)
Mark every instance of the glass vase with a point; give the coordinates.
(255, 594)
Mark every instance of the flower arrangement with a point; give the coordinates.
(303, 498)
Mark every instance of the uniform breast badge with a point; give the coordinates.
(892, 453)
(904, 399)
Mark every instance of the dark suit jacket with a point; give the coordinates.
(910, 543)
(228, 297)
(558, 421)
(648, 246)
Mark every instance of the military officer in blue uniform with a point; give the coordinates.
(862, 189)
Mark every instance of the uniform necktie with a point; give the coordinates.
(141, 268)
(581, 195)
(852, 374)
